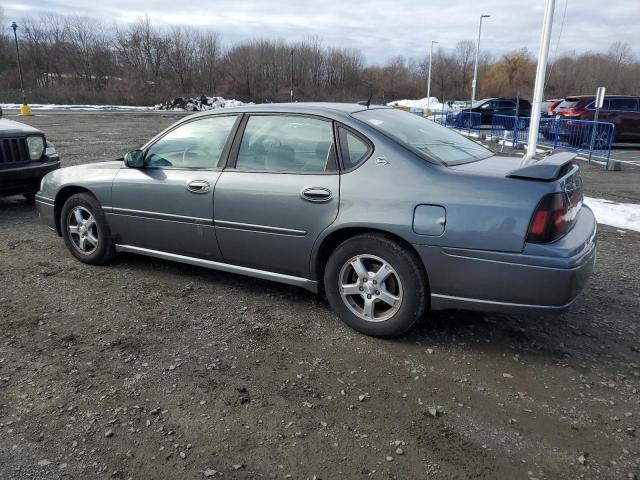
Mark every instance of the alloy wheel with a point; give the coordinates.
(82, 230)
(370, 288)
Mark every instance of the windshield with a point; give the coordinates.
(424, 136)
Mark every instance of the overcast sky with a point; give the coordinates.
(381, 29)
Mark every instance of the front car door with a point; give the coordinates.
(279, 191)
(487, 110)
(168, 204)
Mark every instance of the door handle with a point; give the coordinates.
(316, 194)
(198, 186)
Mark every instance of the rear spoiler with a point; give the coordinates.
(547, 169)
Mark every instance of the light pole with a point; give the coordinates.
(24, 109)
(475, 68)
(291, 92)
(433, 42)
(538, 89)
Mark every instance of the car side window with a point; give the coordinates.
(623, 104)
(352, 148)
(196, 144)
(507, 104)
(285, 143)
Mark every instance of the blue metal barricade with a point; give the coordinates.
(463, 121)
(557, 133)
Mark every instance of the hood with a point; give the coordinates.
(110, 165)
(10, 128)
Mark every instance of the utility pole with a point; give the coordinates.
(24, 109)
(475, 68)
(538, 89)
(433, 42)
(291, 75)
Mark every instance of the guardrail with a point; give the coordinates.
(577, 135)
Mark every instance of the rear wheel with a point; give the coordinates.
(376, 286)
(85, 230)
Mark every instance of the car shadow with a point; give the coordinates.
(574, 336)
(16, 206)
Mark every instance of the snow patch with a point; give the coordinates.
(432, 103)
(614, 214)
(56, 106)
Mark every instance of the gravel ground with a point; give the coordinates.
(148, 369)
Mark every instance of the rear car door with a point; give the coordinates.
(507, 107)
(279, 191)
(625, 114)
(168, 204)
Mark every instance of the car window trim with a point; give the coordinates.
(607, 98)
(230, 165)
(223, 154)
(366, 156)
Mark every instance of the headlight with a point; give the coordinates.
(35, 144)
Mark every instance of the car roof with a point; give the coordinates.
(329, 109)
(606, 96)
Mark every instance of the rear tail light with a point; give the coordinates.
(572, 112)
(552, 219)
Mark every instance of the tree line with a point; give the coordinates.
(78, 60)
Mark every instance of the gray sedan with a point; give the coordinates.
(386, 212)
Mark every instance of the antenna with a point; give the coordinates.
(367, 103)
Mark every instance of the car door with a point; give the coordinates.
(167, 205)
(487, 111)
(279, 191)
(623, 113)
(507, 107)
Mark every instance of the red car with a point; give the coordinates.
(622, 111)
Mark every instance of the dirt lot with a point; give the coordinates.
(147, 369)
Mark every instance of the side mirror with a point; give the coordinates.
(134, 159)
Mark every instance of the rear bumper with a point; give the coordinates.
(543, 277)
(25, 178)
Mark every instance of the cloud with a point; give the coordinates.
(381, 29)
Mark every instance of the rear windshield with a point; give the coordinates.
(569, 103)
(425, 137)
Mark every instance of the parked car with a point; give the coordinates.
(622, 111)
(497, 106)
(548, 106)
(25, 157)
(387, 212)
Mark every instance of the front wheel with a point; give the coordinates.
(85, 230)
(376, 286)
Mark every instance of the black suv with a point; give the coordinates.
(25, 157)
(501, 106)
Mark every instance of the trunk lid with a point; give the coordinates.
(549, 169)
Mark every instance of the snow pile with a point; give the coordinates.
(198, 104)
(55, 106)
(619, 215)
(432, 103)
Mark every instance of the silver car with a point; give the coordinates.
(388, 213)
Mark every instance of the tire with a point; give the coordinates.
(405, 281)
(90, 242)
